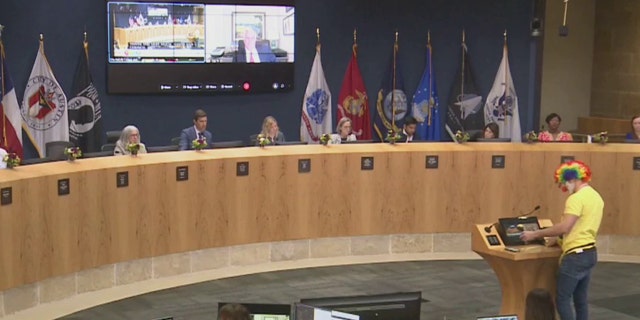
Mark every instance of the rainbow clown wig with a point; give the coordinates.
(572, 170)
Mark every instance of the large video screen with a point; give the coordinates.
(200, 47)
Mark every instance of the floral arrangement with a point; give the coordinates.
(73, 153)
(601, 137)
(12, 160)
(324, 139)
(262, 140)
(199, 144)
(392, 136)
(462, 137)
(133, 148)
(531, 136)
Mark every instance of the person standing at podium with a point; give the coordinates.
(198, 131)
(577, 236)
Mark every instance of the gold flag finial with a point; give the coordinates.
(318, 34)
(41, 37)
(396, 35)
(464, 36)
(505, 35)
(355, 36)
(85, 36)
(428, 36)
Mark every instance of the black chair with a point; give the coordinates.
(162, 149)
(175, 141)
(113, 136)
(253, 140)
(55, 149)
(108, 147)
(227, 144)
(27, 162)
(98, 154)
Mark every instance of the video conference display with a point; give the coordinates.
(171, 47)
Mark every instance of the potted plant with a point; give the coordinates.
(12, 160)
(531, 136)
(601, 137)
(324, 139)
(73, 153)
(392, 136)
(133, 148)
(462, 136)
(262, 140)
(199, 144)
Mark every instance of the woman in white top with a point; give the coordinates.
(343, 132)
(3, 152)
(130, 134)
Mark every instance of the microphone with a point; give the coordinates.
(488, 228)
(530, 212)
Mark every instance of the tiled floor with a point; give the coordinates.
(455, 290)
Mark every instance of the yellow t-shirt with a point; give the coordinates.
(587, 205)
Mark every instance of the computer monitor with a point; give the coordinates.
(507, 317)
(395, 306)
(510, 229)
(261, 311)
(305, 312)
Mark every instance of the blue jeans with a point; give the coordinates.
(573, 282)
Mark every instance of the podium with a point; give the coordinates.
(533, 266)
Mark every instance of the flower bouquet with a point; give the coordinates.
(199, 144)
(601, 137)
(12, 160)
(324, 139)
(531, 136)
(392, 136)
(263, 141)
(133, 148)
(462, 137)
(73, 153)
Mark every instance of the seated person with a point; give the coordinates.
(343, 132)
(409, 129)
(539, 305)
(250, 50)
(491, 131)
(554, 134)
(130, 134)
(198, 131)
(271, 131)
(233, 311)
(635, 129)
(3, 152)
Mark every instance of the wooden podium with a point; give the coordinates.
(534, 266)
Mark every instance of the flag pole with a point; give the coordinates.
(464, 46)
(506, 83)
(355, 42)
(429, 115)
(393, 87)
(318, 39)
(4, 114)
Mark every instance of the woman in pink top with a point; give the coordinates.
(554, 134)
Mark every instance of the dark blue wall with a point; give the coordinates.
(235, 117)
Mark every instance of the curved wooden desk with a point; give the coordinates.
(43, 235)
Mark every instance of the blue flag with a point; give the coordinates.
(388, 115)
(426, 104)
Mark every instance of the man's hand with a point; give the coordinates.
(528, 236)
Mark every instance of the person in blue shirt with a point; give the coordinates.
(635, 128)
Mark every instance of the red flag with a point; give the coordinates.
(10, 119)
(353, 102)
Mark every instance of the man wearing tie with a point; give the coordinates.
(198, 131)
(250, 50)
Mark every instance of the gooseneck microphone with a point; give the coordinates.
(530, 212)
(488, 228)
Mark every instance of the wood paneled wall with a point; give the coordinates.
(43, 235)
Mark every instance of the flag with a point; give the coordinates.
(85, 114)
(426, 103)
(464, 112)
(316, 105)
(9, 111)
(44, 106)
(391, 89)
(502, 102)
(353, 102)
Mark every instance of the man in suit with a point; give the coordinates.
(198, 131)
(409, 129)
(252, 51)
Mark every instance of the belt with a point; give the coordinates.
(580, 249)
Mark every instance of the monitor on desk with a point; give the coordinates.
(510, 229)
